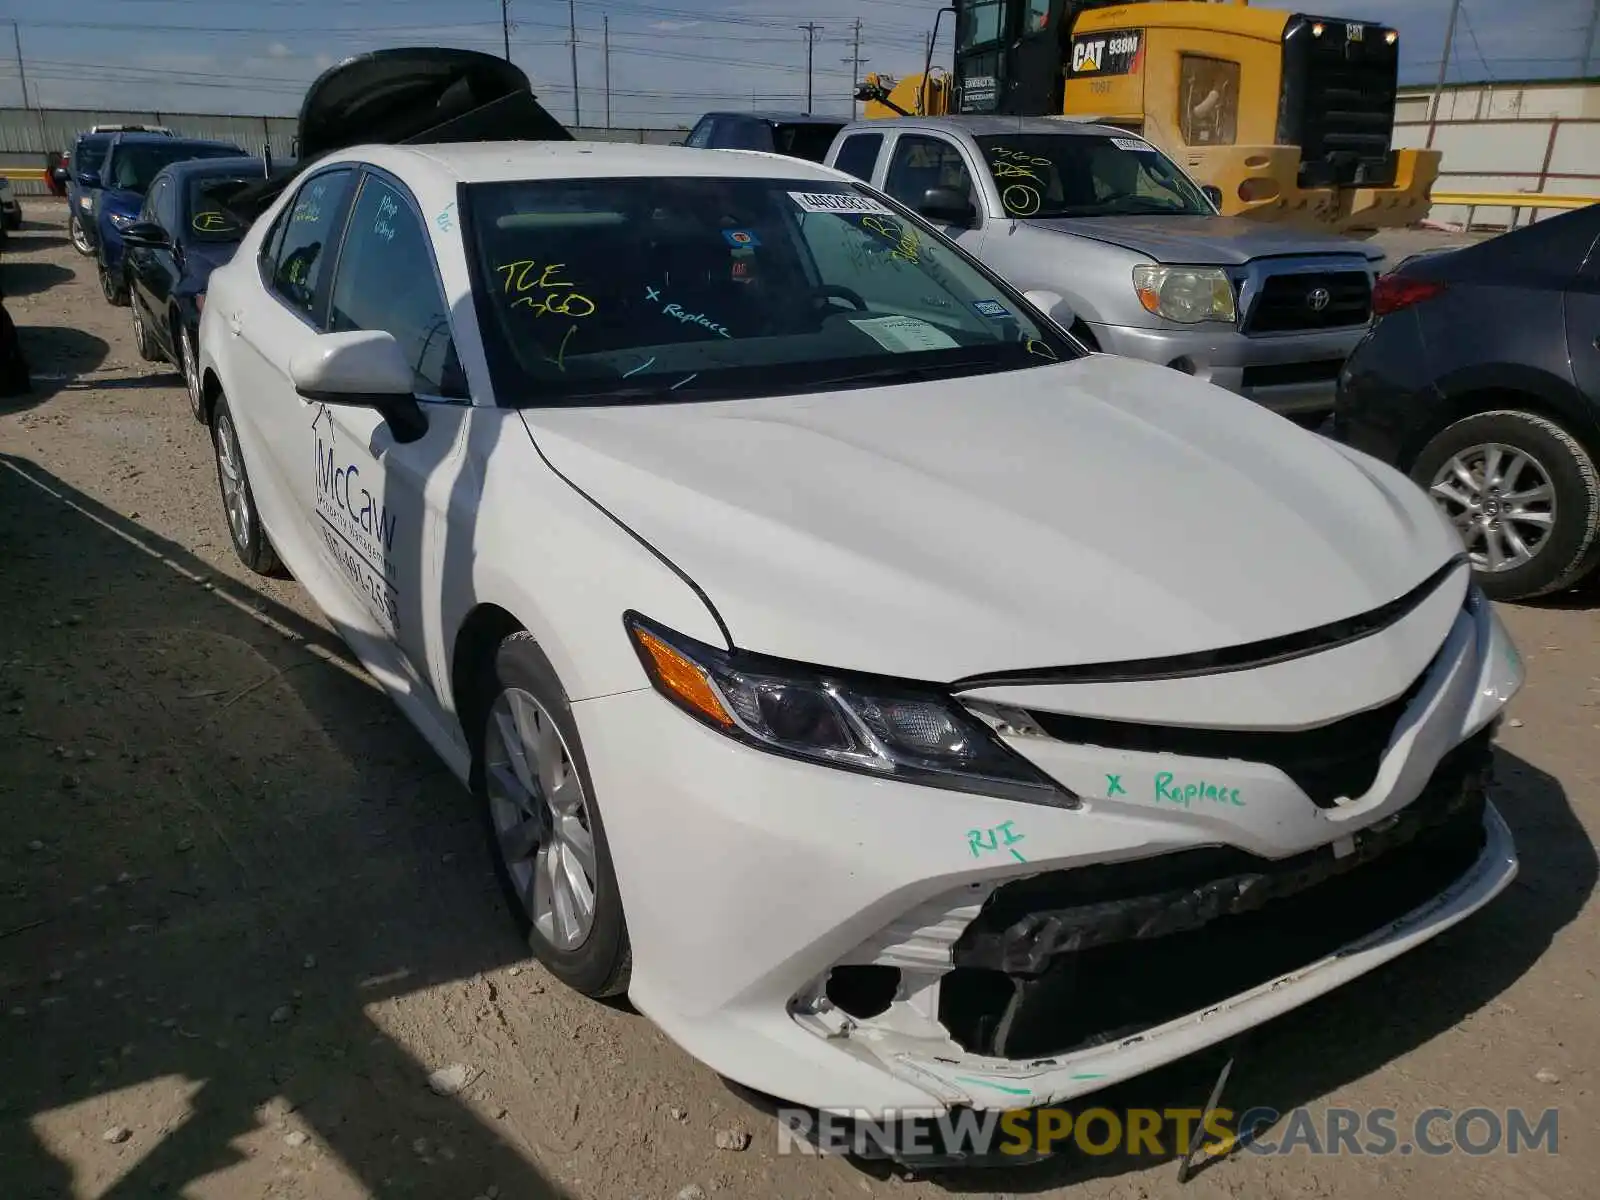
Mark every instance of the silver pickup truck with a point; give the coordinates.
(1130, 251)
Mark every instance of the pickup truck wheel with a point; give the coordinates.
(1525, 496)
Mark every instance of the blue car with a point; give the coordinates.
(132, 162)
(83, 184)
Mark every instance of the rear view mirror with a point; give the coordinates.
(1213, 193)
(363, 368)
(146, 235)
(948, 207)
(89, 179)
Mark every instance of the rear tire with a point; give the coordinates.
(190, 366)
(250, 541)
(1524, 492)
(525, 711)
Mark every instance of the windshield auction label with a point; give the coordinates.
(839, 202)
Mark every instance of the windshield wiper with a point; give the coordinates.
(906, 374)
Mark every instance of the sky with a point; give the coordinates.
(670, 60)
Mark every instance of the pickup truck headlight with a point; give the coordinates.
(1188, 294)
(85, 203)
(878, 727)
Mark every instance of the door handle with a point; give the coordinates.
(1597, 341)
(235, 326)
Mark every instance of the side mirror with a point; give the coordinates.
(1053, 305)
(146, 235)
(1213, 193)
(89, 179)
(948, 207)
(59, 174)
(362, 368)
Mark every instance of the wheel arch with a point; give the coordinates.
(210, 389)
(472, 653)
(1529, 390)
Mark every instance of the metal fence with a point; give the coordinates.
(28, 134)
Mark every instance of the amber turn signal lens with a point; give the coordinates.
(683, 679)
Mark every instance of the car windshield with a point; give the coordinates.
(664, 289)
(92, 152)
(135, 165)
(1087, 175)
(208, 218)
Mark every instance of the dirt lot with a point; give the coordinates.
(244, 913)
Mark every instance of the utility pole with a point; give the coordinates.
(811, 29)
(572, 30)
(16, 36)
(505, 25)
(1588, 38)
(1444, 65)
(605, 24)
(855, 72)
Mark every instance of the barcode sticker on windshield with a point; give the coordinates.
(902, 335)
(1133, 144)
(839, 202)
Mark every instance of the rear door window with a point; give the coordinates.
(859, 155)
(311, 229)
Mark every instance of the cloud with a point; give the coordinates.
(323, 61)
(279, 50)
(670, 26)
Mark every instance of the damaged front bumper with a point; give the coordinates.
(861, 946)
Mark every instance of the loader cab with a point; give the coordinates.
(1011, 55)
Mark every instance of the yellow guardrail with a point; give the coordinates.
(34, 173)
(1513, 199)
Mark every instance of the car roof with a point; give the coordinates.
(241, 165)
(493, 162)
(784, 118)
(982, 125)
(162, 139)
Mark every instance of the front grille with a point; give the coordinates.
(1285, 302)
(1326, 763)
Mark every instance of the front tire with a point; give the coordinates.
(146, 345)
(238, 501)
(546, 837)
(115, 293)
(79, 236)
(1525, 495)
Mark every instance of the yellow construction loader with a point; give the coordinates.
(1289, 116)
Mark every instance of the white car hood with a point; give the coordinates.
(1098, 511)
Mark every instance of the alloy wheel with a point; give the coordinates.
(231, 465)
(1501, 499)
(541, 818)
(190, 368)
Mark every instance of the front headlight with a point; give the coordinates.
(906, 732)
(85, 203)
(121, 220)
(1187, 294)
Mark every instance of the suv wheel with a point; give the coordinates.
(80, 238)
(1525, 496)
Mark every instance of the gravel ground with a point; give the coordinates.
(244, 914)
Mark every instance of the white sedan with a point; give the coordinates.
(907, 709)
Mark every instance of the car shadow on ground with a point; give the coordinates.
(58, 357)
(1310, 1054)
(29, 278)
(227, 866)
